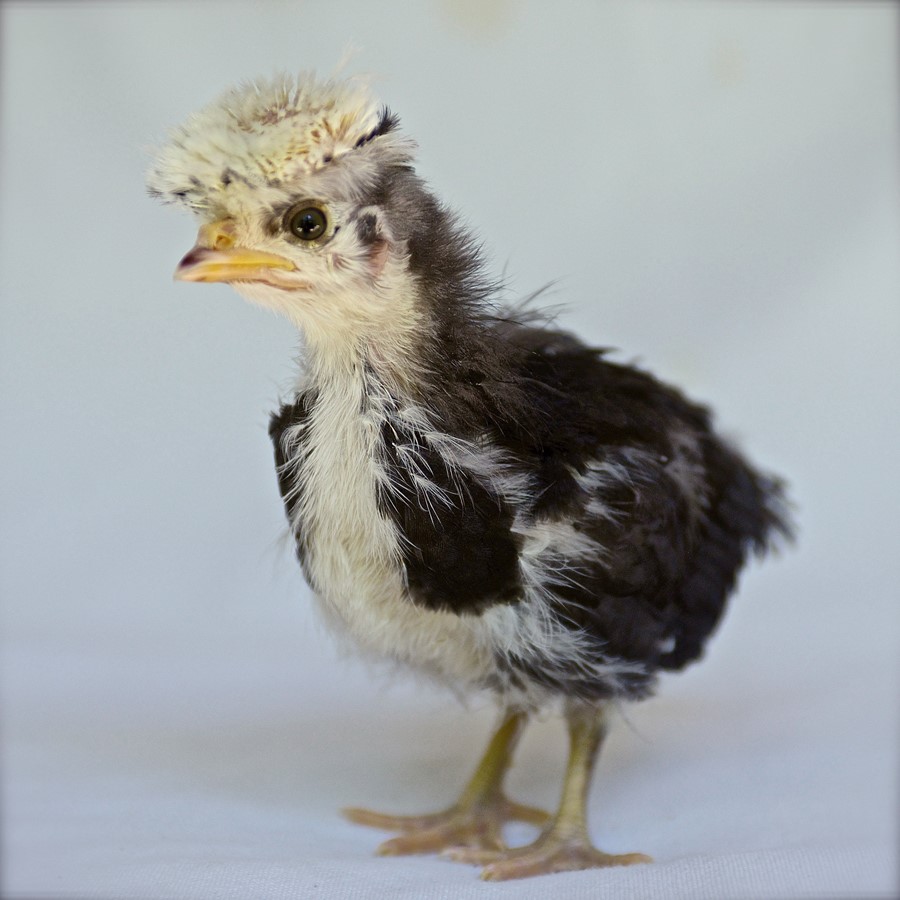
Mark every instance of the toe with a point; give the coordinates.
(475, 856)
(545, 858)
(508, 869)
(518, 812)
(408, 844)
(627, 859)
(388, 822)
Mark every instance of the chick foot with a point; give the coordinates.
(551, 852)
(564, 844)
(474, 826)
(476, 819)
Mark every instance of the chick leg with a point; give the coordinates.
(476, 819)
(564, 845)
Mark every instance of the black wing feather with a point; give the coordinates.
(673, 549)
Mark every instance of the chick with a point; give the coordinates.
(472, 493)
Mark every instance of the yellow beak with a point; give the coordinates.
(216, 258)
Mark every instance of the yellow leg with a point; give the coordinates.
(476, 819)
(564, 845)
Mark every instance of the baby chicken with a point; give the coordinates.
(472, 493)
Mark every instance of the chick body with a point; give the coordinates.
(472, 492)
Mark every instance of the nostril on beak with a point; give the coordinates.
(217, 235)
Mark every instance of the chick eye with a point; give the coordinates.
(308, 222)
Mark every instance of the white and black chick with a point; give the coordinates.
(472, 493)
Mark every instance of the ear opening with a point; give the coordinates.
(378, 256)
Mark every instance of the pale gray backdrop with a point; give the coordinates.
(712, 187)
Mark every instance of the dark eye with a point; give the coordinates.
(308, 223)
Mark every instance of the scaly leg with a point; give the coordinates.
(564, 844)
(475, 820)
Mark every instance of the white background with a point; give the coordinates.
(714, 189)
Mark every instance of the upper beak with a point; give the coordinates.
(216, 258)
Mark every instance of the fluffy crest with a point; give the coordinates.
(270, 132)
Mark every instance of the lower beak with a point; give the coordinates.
(233, 264)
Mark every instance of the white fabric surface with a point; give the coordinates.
(715, 184)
